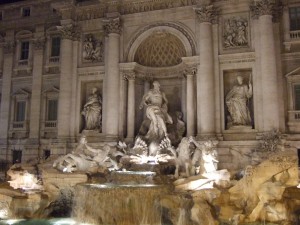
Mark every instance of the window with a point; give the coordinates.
(55, 46)
(52, 110)
(20, 111)
(295, 18)
(24, 50)
(17, 156)
(297, 96)
(1, 15)
(26, 12)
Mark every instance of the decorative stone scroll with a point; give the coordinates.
(69, 31)
(39, 43)
(112, 25)
(206, 13)
(264, 7)
(8, 47)
(129, 75)
(235, 32)
(190, 71)
(93, 48)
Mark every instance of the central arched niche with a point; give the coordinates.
(160, 49)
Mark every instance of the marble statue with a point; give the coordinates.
(157, 111)
(236, 101)
(84, 158)
(92, 111)
(183, 161)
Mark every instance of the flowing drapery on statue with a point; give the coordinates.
(92, 111)
(157, 111)
(236, 101)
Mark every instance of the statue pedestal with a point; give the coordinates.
(240, 128)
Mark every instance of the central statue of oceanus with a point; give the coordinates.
(157, 112)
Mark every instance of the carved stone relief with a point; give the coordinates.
(238, 100)
(236, 32)
(93, 48)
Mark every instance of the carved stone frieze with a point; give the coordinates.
(8, 47)
(39, 43)
(69, 31)
(265, 7)
(129, 7)
(112, 25)
(235, 32)
(206, 13)
(93, 48)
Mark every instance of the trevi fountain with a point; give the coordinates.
(161, 178)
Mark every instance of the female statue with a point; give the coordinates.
(236, 101)
(92, 111)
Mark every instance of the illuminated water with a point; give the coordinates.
(61, 221)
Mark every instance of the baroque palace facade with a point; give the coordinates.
(231, 68)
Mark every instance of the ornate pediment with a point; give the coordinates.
(21, 93)
(51, 90)
(293, 73)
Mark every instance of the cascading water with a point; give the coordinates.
(121, 204)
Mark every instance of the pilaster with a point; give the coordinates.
(190, 120)
(8, 50)
(35, 107)
(69, 33)
(112, 28)
(205, 76)
(264, 11)
(130, 77)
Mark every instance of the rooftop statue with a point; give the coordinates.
(157, 111)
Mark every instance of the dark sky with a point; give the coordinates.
(9, 1)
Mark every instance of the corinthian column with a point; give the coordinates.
(68, 33)
(130, 76)
(263, 10)
(190, 119)
(205, 75)
(37, 72)
(112, 90)
(8, 49)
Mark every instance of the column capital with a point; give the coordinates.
(69, 31)
(265, 7)
(129, 75)
(112, 25)
(206, 13)
(9, 47)
(39, 43)
(190, 71)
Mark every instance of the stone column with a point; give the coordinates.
(68, 33)
(190, 119)
(35, 107)
(112, 90)
(205, 75)
(8, 50)
(263, 10)
(130, 76)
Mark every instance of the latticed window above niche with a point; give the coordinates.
(160, 50)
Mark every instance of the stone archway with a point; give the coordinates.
(173, 29)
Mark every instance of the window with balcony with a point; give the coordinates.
(55, 50)
(24, 52)
(20, 111)
(51, 112)
(297, 96)
(26, 11)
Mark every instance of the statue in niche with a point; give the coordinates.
(237, 101)
(92, 111)
(235, 32)
(92, 49)
(157, 111)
